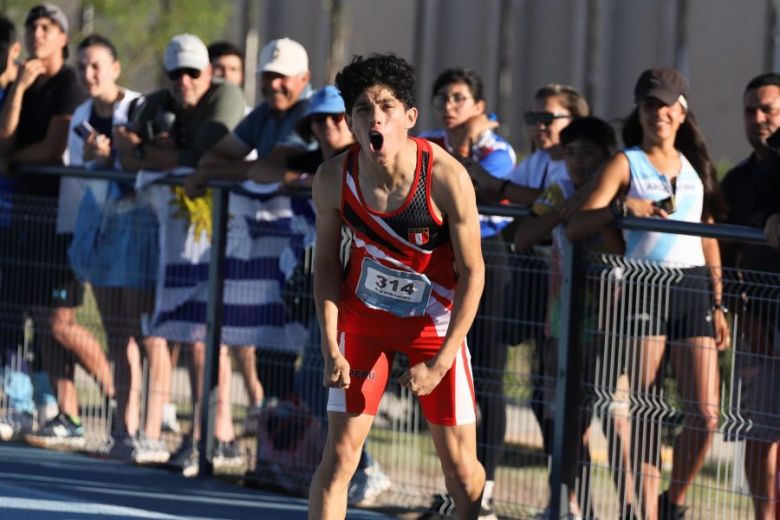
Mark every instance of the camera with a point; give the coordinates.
(161, 123)
(150, 128)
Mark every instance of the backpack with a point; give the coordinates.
(290, 442)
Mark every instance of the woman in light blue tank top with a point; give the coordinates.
(672, 285)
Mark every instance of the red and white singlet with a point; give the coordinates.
(396, 296)
(399, 268)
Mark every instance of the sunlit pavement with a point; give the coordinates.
(44, 484)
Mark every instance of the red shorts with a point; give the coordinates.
(370, 359)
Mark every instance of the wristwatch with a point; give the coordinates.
(618, 208)
(138, 151)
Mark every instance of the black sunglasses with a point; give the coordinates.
(176, 74)
(321, 118)
(542, 118)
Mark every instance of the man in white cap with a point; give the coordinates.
(173, 127)
(284, 82)
(203, 110)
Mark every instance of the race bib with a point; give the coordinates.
(398, 292)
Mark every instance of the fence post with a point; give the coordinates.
(567, 377)
(219, 216)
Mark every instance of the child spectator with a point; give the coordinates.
(586, 145)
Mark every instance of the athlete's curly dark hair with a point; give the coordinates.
(377, 69)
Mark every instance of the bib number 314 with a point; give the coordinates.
(398, 292)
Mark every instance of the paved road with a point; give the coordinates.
(40, 484)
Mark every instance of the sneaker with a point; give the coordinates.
(170, 422)
(122, 447)
(442, 506)
(367, 485)
(14, 425)
(150, 451)
(47, 411)
(227, 454)
(669, 511)
(61, 432)
(185, 458)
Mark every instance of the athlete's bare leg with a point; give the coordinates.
(464, 476)
(328, 492)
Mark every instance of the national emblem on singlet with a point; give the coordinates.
(399, 277)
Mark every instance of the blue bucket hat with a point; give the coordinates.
(326, 100)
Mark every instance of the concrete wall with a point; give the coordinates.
(599, 46)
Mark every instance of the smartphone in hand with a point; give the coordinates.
(84, 129)
(668, 204)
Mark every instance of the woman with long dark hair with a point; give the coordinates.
(665, 171)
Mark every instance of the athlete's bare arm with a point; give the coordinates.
(326, 193)
(453, 195)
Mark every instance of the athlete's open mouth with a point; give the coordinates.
(376, 140)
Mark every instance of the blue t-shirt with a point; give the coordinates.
(262, 129)
(496, 156)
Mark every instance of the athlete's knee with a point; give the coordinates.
(467, 473)
(340, 462)
(346, 452)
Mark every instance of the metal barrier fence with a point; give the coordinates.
(548, 384)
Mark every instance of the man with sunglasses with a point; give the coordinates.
(269, 130)
(175, 125)
(171, 128)
(275, 220)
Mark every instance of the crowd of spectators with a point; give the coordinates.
(144, 249)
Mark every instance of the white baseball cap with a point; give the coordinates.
(284, 56)
(185, 51)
